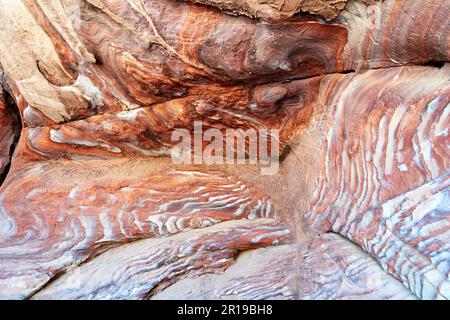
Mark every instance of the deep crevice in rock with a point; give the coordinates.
(13, 110)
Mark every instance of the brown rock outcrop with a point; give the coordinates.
(96, 57)
(326, 267)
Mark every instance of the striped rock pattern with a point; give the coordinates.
(140, 269)
(326, 267)
(96, 206)
(146, 132)
(334, 268)
(93, 208)
(386, 188)
(101, 56)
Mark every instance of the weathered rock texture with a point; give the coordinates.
(386, 189)
(278, 9)
(94, 208)
(326, 267)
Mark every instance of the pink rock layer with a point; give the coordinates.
(93, 208)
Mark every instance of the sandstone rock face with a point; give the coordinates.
(387, 189)
(326, 267)
(278, 9)
(94, 207)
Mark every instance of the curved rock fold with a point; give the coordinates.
(93, 207)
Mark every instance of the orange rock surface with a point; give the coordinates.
(359, 92)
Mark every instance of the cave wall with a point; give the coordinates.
(359, 91)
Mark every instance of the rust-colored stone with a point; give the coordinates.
(358, 91)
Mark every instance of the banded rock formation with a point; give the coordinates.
(101, 85)
(326, 267)
(387, 188)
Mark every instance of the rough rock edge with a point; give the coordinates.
(280, 9)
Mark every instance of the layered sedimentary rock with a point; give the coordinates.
(326, 267)
(96, 56)
(380, 170)
(101, 204)
(158, 263)
(94, 208)
(147, 132)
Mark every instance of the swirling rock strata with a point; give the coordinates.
(380, 174)
(97, 56)
(146, 132)
(326, 267)
(101, 85)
